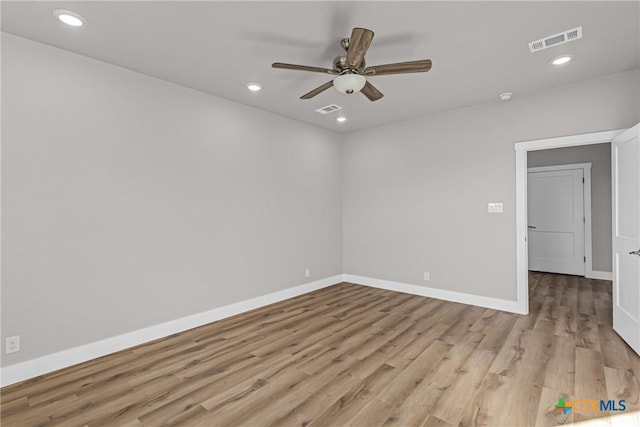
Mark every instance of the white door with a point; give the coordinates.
(555, 206)
(625, 159)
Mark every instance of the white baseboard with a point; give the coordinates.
(600, 275)
(487, 302)
(52, 362)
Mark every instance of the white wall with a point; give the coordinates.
(415, 193)
(128, 201)
(599, 155)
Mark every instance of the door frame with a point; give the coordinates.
(521, 149)
(586, 201)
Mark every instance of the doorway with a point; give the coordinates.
(522, 231)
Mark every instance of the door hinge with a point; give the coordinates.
(584, 219)
(583, 180)
(585, 259)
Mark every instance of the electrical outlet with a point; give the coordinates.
(427, 276)
(307, 273)
(12, 344)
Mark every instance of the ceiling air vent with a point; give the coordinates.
(556, 39)
(329, 109)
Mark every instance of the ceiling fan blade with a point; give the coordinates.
(303, 68)
(317, 90)
(371, 92)
(358, 45)
(421, 66)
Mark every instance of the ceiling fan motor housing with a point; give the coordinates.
(340, 65)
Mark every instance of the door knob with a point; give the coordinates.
(635, 252)
(531, 226)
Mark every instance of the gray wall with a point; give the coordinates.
(415, 193)
(128, 201)
(599, 155)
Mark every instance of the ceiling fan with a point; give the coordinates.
(351, 69)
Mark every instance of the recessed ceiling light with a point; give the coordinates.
(341, 119)
(561, 59)
(253, 87)
(505, 96)
(70, 18)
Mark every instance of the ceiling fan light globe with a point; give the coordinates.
(349, 83)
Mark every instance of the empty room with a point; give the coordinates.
(319, 213)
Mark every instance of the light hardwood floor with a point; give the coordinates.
(353, 355)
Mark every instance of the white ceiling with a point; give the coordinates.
(479, 49)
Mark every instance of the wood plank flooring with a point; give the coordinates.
(350, 355)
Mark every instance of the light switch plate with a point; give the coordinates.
(495, 208)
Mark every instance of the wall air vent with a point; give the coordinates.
(556, 39)
(329, 109)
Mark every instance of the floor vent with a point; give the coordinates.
(556, 39)
(329, 109)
